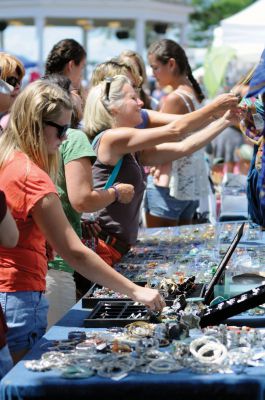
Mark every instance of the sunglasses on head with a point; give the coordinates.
(107, 88)
(13, 81)
(61, 129)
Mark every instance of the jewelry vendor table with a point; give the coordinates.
(21, 383)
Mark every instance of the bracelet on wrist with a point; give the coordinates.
(117, 195)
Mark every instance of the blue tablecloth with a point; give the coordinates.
(20, 383)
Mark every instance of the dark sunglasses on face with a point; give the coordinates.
(13, 81)
(61, 129)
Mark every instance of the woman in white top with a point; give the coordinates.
(174, 189)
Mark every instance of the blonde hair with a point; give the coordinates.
(137, 63)
(9, 65)
(38, 102)
(98, 108)
(137, 60)
(112, 68)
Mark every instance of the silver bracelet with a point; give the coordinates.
(164, 366)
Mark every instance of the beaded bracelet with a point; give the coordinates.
(117, 195)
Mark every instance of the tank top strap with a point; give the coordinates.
(182, 94)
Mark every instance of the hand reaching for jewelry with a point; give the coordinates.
(234, 115)
(224, 102)
(150, 297)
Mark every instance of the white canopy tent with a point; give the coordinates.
(244, 32)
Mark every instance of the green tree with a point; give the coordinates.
(208, 14)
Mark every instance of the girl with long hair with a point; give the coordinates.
(38, 123)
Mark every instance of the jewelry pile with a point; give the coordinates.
(149, 348)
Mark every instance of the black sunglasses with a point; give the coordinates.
(13, 81)
(61, 129)
(107, 88)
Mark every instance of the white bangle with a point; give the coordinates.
(201, 347)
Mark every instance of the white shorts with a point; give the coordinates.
(60, 292)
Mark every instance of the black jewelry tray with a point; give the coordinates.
(117, 313)
(218, 313)
(90, 301)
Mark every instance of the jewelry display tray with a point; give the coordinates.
(220, 312)
(120, 313)
(117, 313)
(89, 300)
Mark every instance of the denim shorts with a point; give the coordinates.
(26, 318)
(159, 203)
(6, 362)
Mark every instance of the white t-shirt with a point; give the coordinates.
(189, 179)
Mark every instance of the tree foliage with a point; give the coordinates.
(208, 14)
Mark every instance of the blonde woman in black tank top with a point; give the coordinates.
(114, 107)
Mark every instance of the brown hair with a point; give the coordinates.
(112, 68)
(165, 49)
(63, 52)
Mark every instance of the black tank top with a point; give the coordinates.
(121, 220)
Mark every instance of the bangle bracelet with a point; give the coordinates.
(117, 195)
(208, 350)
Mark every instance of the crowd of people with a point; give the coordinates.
(110, 150)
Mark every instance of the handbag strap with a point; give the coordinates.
(115, 170)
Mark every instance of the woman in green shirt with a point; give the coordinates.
(77, 157)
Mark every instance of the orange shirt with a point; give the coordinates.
(24, 267)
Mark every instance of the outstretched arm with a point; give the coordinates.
(199, 118)
(172, 151)
(50, 218)
(117, 142)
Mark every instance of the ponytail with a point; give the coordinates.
(199, 94)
